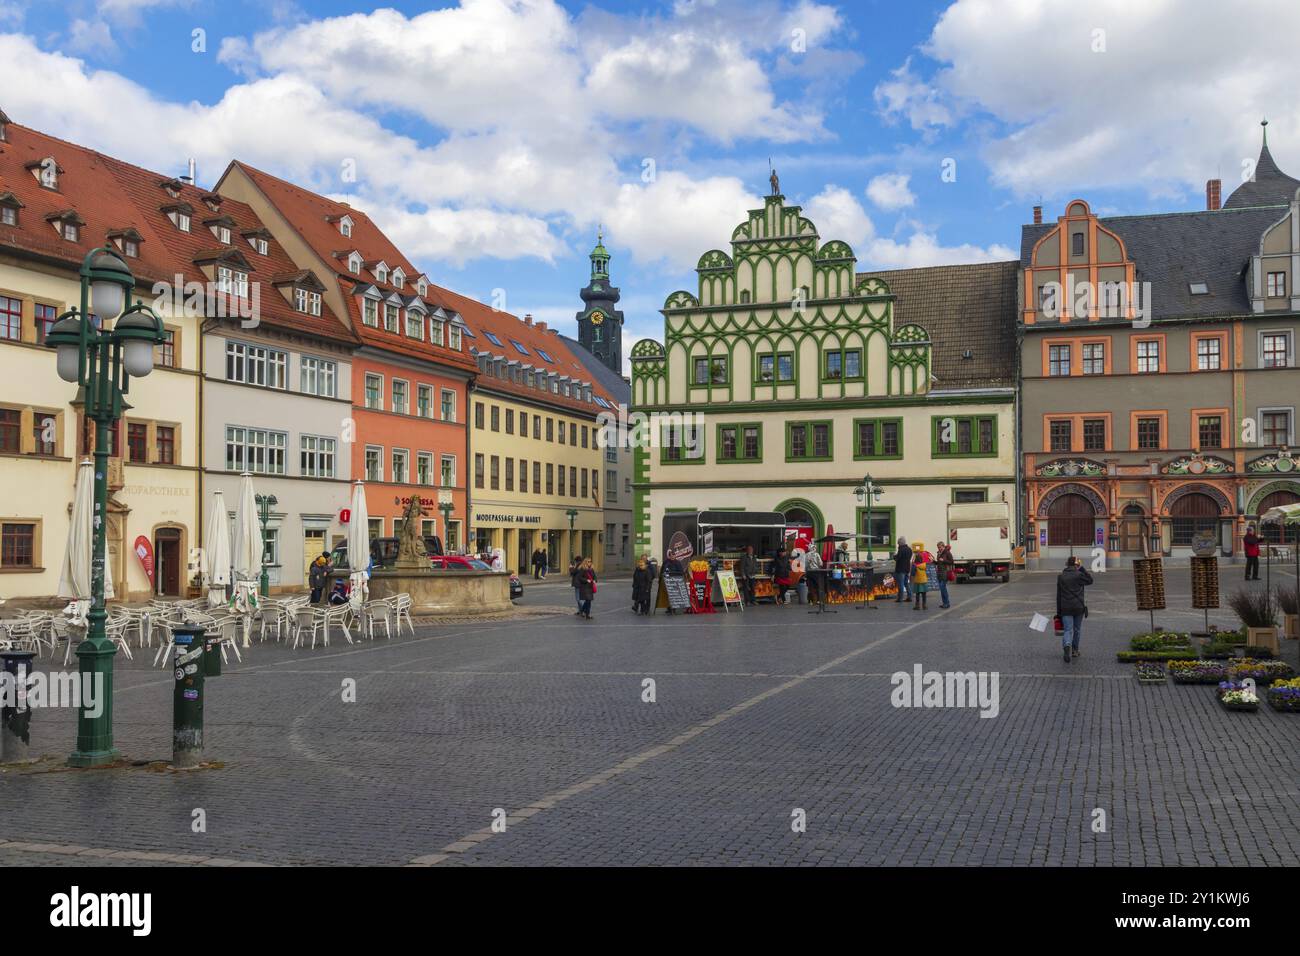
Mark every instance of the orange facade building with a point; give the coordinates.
(411, 374)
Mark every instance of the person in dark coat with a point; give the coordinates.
(903, 570)
(747, 572)
(641, 584)
(1070, 605)
(781, 571)
(539, 562)
(574, 568)
(319, 575)
(585, 582)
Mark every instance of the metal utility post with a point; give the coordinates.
(264, 505)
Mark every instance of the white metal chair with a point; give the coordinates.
(372, 614)
(402, 604)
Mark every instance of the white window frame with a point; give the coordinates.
(365, 392)
(1290, 421)
(395, 314)
(316, 456)
(442, 471)
(378, 451)
(400, 476)
(421, 390)
(405, 408)
(442, 405)
(257, 365)
(1290, 347)
(317, 376)
(424, 461)
(414, 320)
(256, 450)
(370, 312)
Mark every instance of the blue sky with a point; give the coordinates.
(490, 137)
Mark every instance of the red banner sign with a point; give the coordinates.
(144, 551)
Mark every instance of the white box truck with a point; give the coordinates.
(979, 534)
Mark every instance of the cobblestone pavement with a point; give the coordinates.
(756, 716)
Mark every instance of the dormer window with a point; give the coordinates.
(422, 287)
(399, 277)
(232, 282)
(381, 274)
(8, 216)
(345, 226)
(453, 338)
(182, 220)
(259, 244)
(354, 264)
(130, 248)
(71, 232)
(307, 301)
(222, 233)
(46, 172)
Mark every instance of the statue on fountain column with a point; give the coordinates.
(411, 552)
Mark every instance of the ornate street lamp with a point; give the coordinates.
(264, 505)
(101, 362)
(868, 492)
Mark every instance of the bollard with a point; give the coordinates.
(187, 699)
(16, 720)
(212, 655)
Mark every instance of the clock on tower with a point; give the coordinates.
(600, 323)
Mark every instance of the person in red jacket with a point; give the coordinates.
(1251, 541)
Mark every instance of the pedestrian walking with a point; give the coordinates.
(318, 576)
(1252, 542)
(585, 579)
(812, 573)
(574, 568)
(538, 561)
(902, 569)
(944, 571)
(641, 584)
(1070, 605)
(781, 571)
(748, 574)
(922, 561)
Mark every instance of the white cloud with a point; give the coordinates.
(837, 214)
(678, 217)
(1171, 100)
(90, 37)
(890, 191)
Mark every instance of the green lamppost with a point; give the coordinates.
(101, 362)
(264, 505)
(573, 517)
(868, 492)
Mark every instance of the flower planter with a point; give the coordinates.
(1148, 673)
(1263, 637)
(1240, 705)
(1197, 672)
(1284, 696)
(1292, 623)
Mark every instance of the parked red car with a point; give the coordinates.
(443, 562)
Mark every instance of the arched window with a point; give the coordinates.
(1193, 514)
(1071, 522)
(1278, 533)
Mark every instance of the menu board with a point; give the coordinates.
(674, 592)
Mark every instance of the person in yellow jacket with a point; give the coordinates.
(922, 561)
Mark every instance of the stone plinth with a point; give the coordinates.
(445, 592)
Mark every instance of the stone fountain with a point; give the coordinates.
(442, 592)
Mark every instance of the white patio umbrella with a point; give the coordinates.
(74, 580)
(1284, 515)
(358, 546)
(246, 557)
(216, 552)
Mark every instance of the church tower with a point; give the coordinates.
(600, 323)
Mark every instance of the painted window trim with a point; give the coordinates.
(1193, 360)
(740, 442)
(699, 459)
(973, 419)
(1290, 347)
(1290, 425)
(1226, 427)
(890, 543)
(952, 492)
(1135, 340)
(832, 379)
(1136, 414)
(902, 448)
(776, 358)
(830, 440)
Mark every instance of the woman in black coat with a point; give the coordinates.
(642, 581)
(781, 571)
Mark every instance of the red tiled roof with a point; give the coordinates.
(310, 215)
(112, 195)
(315, 218)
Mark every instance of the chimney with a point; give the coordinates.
(1213, 191)
(540, 326)
(1038, 215)
(193, 171)
(528, 318)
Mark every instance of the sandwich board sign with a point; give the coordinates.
(730, 590)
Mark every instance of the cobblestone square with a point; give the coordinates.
(758, 718)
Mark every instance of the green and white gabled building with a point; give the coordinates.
(788, 376)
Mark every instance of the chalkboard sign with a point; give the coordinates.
(674, 592)
(861, 579)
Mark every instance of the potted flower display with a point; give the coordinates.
(1288, 600)
(1284, 696)
(1262, 672)
(1239, 700)
(1197, 672)
(1149, 672)
(1258, 614)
